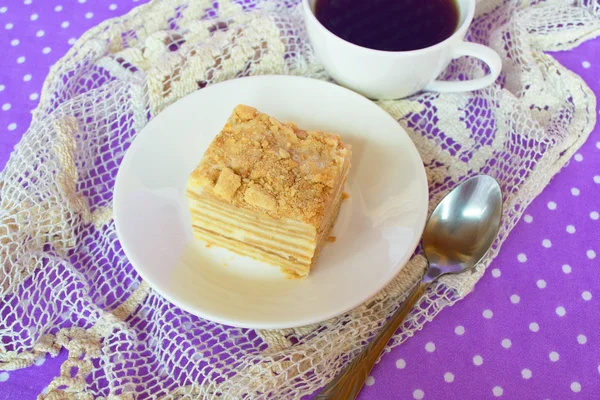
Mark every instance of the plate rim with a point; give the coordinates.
(199, 312)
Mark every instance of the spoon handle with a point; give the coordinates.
(348, 383)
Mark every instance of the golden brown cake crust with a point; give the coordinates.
(256, 162)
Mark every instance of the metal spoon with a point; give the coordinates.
(458, 234)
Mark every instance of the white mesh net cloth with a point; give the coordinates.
(64, 280)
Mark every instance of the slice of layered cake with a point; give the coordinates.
(269, 190)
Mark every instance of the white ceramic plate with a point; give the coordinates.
(377, 230)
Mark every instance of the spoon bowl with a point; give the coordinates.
(463, 226)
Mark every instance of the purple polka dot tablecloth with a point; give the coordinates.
(530, 330)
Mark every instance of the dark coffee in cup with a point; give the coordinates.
(390, 25)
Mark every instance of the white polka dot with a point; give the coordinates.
(27, 2)
(369, 381)
(40, 33)
(526, 373)
(400, 364)
(418, 394)
(534, 327)
(58, 8)
(65, 24)
(26, 77)
(449, 377)
(498, 391)
(515, 299)
(575, 191)
(9, 26)
(576, 387)
(34, 17)
(506, 343)
(3, 376)
(560, 311)
(112, 7)
(459, 330)
(72, 41)
(552, 205)
(553, 356)
(21, 60)
(46, 390)
(496, 273)
(570, 229)
(12, 126)
(587, 296)
(430, 347)
(591, 254)
(15, 42)
(566, 269)
(40, 361)
(46, 50)
(578, 157)
(34, 96)
(3, 10)
(81, 1)
(487, 314)
(2, 87)
(528, 218)
(541, 283)
(546, 243)
(594, 215)
(6, 106)
(596, 178)
(89, 15)
(581, 339)
(477, 360)
(586, 64)
(522, 257)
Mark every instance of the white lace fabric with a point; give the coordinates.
(65, 282)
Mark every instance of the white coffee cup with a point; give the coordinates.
(395, 74)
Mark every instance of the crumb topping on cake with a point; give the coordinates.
(257, 196)
(258, 162)
(227, 184)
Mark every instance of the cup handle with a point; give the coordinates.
(485, 54)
